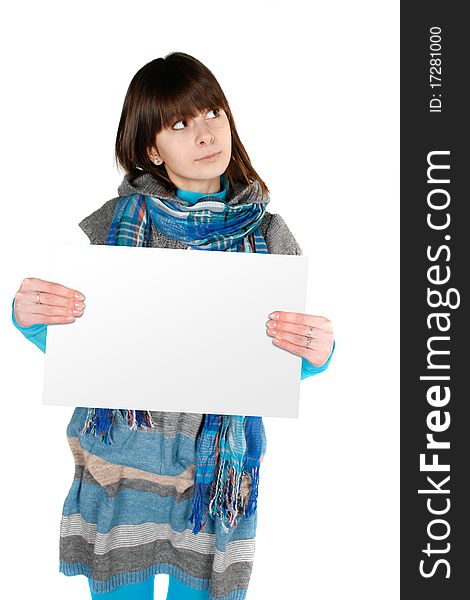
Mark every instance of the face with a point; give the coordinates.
(183, 145)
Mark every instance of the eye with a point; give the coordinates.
(177, 122)
(216, 110)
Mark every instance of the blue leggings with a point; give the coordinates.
(144, 591)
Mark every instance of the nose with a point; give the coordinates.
(203, 133)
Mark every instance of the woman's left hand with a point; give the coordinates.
(294, 330)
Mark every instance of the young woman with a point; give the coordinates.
(162, 492)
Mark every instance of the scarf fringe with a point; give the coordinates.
(224, 501)
(200, 492)
(253, 499)
(224, 498)
(99, 421)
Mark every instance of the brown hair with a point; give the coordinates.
(162, 92)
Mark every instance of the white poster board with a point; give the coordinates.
(174, 330)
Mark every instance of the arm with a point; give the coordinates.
(34, 333)
(308, 369)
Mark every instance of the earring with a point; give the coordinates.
(157, 161)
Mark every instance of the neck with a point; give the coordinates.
(205, 186)
(193, 196)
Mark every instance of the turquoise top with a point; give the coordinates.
(38, 333)
(193, 197)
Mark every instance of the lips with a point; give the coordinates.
(212, 154)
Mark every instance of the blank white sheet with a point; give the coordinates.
(174, 330)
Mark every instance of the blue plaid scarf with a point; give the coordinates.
(229, 446)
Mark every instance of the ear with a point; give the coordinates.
(154, 156)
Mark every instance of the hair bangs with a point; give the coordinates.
(188, 99)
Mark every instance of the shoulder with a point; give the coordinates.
(278, 236)
(97, 224)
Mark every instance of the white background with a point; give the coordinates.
(314, 90)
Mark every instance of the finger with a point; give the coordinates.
(55, 300)
(322, 343)
(29, 299)
(50, 311)
(51, 287)
(37, 319)
(309, 330)
(290, 347)
(300, 318)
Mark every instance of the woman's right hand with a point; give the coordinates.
(58, 304)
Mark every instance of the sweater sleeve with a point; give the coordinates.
(280, 240)
(36, 333)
